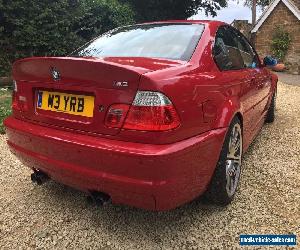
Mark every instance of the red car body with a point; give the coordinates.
(155, 170)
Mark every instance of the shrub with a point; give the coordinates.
(280, 43)
(54, 27)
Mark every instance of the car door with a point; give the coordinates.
(229, 60)
(260, 78)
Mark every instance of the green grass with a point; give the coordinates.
(5, 106)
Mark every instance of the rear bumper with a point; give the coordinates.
(154, 177)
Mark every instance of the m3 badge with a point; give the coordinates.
(120, 84)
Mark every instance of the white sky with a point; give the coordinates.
(233, 11)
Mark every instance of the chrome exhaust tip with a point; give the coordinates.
(39, 177)
(99, 198)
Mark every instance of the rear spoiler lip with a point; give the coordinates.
(20, 73)
(135, 69)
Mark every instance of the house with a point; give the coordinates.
(243, 26)
(285, 14)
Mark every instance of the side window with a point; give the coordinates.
(249, 56)
(226, 52)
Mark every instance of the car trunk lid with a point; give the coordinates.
(46, 87)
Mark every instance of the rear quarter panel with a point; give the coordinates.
(203, 98)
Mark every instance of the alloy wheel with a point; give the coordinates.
(234, 160)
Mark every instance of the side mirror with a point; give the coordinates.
(269, 61)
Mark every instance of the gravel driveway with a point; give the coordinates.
(55, 216)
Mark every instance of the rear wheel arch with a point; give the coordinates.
(216, 190)
(274, 79)
(240, 117)
(236, 116)
(230, 109)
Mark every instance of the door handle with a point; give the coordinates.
(252, 80)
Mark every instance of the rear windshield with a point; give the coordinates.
(169, 41)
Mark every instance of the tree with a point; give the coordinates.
(260, 3)
(102, 15)
(254, 2)
(152, 10)
(253, 5)
(54, 27)
(57, 27)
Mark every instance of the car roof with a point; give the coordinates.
(208, 22)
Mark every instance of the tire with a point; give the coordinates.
(270, 117)
(226, 177)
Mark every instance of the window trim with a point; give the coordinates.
(184, 57)
(238, 33)
(250, 44)
(225, 27)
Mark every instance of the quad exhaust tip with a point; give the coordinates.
(99, 198)
(39, 177)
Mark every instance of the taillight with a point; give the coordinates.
(116, 115)
(15, 96)
(19, 102)
(151, 111)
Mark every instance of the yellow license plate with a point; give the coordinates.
(67, 103)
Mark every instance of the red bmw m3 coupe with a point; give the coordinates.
(150, 115)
